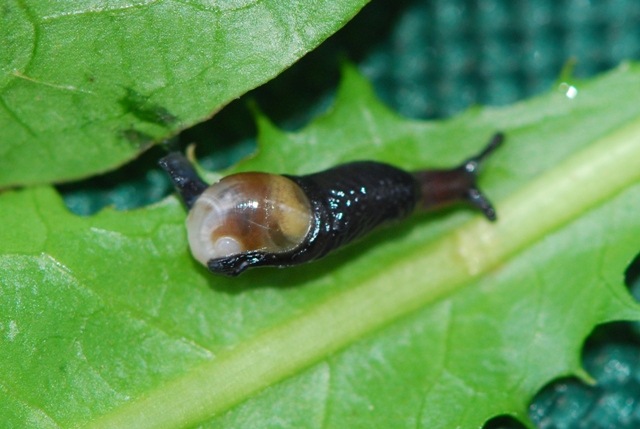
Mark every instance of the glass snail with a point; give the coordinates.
(250, 220)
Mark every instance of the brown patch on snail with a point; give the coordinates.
(248, 212)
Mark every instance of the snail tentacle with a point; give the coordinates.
(441, 188)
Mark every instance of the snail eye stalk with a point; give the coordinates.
(441, 188)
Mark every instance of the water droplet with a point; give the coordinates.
(569, 90)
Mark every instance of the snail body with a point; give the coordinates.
(259, 219)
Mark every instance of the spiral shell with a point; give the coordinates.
(248, 212)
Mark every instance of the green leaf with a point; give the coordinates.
(443, 321)
(86, 86)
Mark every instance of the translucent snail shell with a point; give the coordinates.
(248, 212)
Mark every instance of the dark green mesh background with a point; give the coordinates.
(431, 59)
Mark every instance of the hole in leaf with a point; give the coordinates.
(503, 422)
(612, 357)
(632, 278)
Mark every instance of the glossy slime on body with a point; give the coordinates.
(259, 219)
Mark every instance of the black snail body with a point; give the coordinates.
(258, 219)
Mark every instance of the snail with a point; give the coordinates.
(256, 219)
